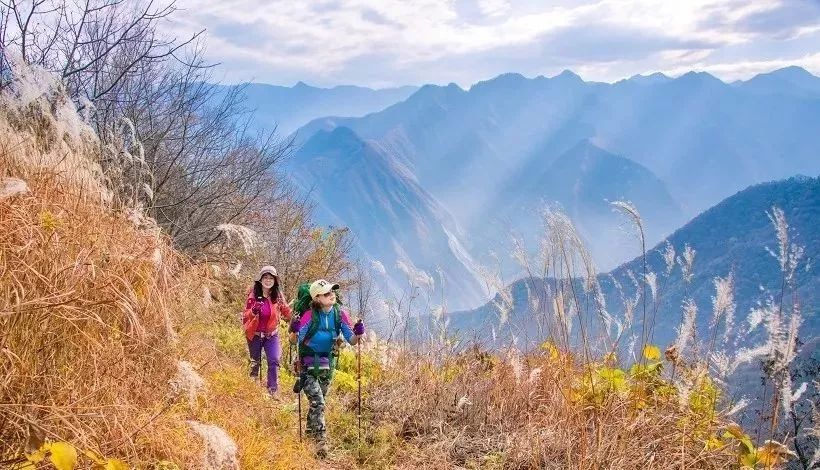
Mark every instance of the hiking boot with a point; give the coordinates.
(322, 449)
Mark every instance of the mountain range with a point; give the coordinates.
(288, 108)
(493, 156)
(437, 179)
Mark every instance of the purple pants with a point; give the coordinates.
(272, 352)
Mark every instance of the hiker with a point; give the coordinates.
(315, 333)
(264, 308)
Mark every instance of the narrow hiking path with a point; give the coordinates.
(264, 429)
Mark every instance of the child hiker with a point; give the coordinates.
(264, 308)
(315, 333)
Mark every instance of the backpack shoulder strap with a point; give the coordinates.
(337, 317)
(314, 326)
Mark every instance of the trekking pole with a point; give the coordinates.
(298, 372)
(262, 339)
(359, 393)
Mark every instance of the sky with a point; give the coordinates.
(387, 43)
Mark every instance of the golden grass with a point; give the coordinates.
(470, 410)
(86, 304)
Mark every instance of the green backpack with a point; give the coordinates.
(303, 300)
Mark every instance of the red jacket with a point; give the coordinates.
(278, 311)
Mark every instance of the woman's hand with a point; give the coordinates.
(257, 308)
(358, 328)
(294, 326)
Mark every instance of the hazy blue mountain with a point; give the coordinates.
(582, 182)
(358, 185)
(289, 108)
(705, 139)
(651, 79)
(791, 81)
(732, 236)
(481, 136)
(486, 154)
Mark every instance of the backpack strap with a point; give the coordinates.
(314, 326)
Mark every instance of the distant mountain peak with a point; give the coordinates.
(436, 92)
(692, 75)
(656, 77)
(699, 78)
(792, 80)
(505, 80)
(300, 85)
(509, 77)
(568, 75)
(340, 137)
(791, 71)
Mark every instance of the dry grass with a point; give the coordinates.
(96, 310)
(86, 304)
(474, 410)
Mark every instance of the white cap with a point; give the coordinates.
(321, 287)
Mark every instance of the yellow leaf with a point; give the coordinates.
(748, 460)
(116, 464)
(613, 379)
(773, 453)
(551, 349)
(166, 465)
(37, 456)
(713, 443)
(94, 457)
(735, 430)
(651, 352)
(63, 455)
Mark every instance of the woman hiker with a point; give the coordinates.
(264, 308)
(315, 333)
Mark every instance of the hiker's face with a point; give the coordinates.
(268, 281)
(326, 300)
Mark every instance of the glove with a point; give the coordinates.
(294, 326)
(257, 308)
(358, 328)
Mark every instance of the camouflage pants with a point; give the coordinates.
(315, 388)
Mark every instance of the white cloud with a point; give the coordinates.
(493, 8)
(397, 42)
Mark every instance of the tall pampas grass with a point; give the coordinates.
(88, 299)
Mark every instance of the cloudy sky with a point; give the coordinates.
(382, 43)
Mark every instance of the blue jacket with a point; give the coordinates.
(322, 340)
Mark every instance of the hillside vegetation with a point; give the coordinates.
(118, 351)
